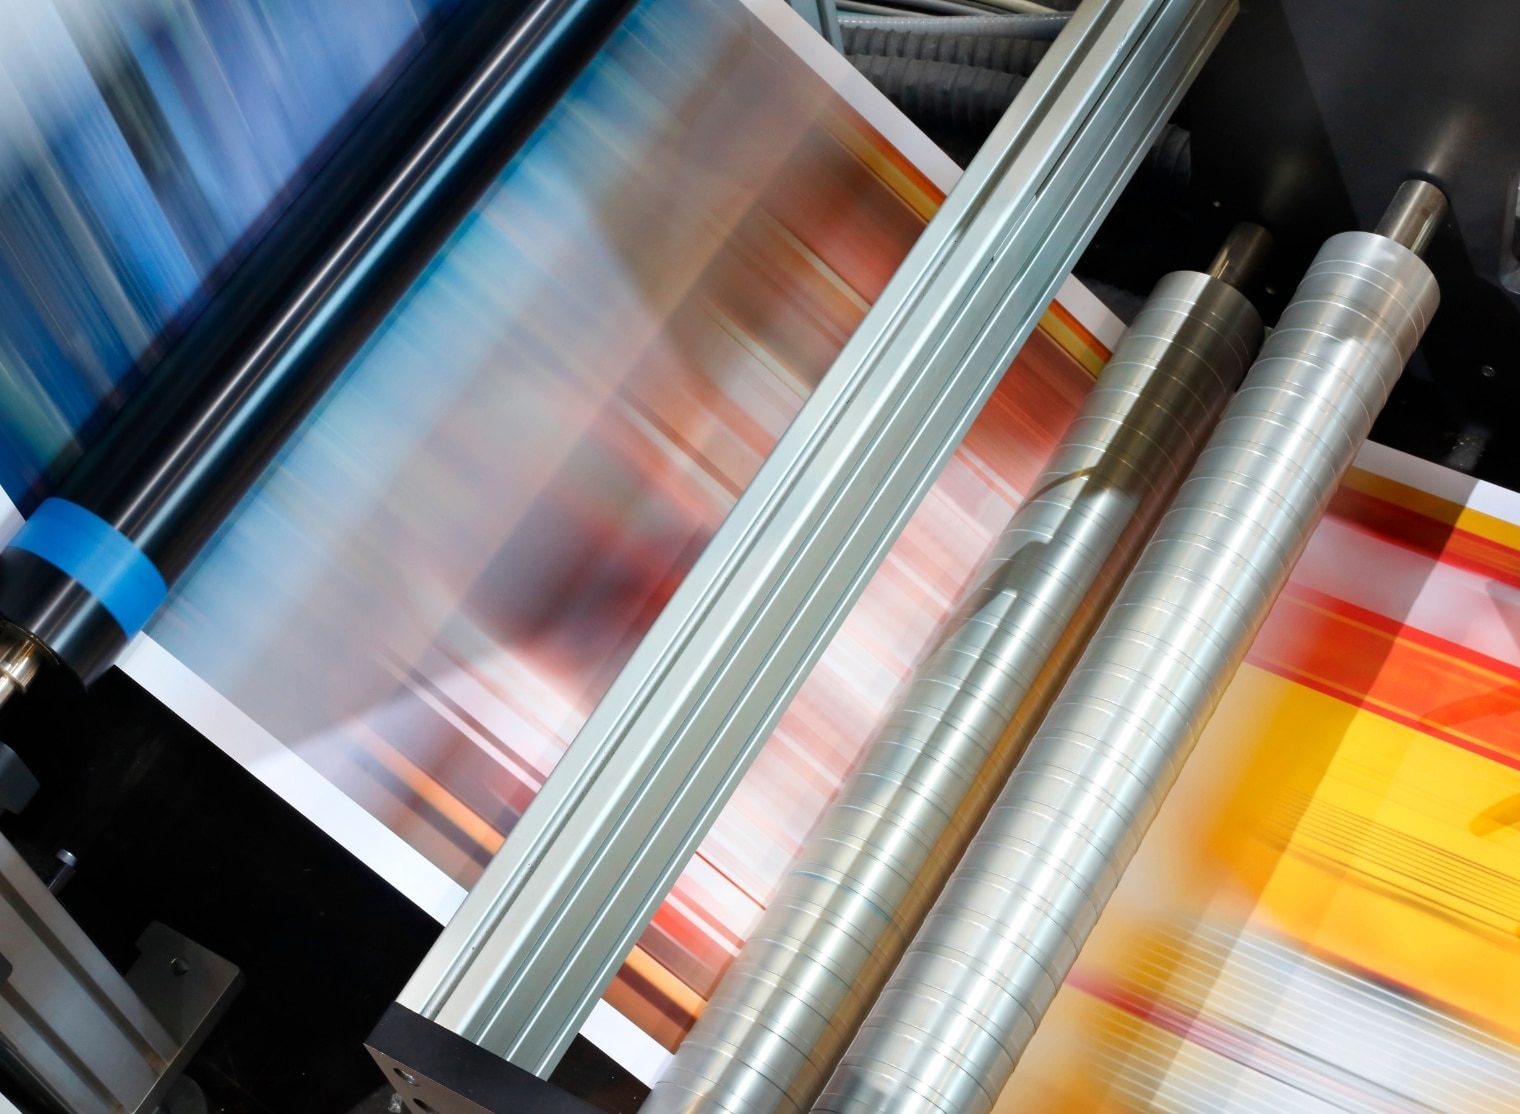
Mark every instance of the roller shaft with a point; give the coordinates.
(787, 1007)
(97, 557)
(948, 1029)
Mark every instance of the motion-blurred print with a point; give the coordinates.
(144, 144)
(429, 592)
(406, 623)
(1326, 915)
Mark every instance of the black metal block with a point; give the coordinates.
(18, 785)
(439, 1072)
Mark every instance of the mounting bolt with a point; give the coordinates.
(63, 871)
(1487, 371)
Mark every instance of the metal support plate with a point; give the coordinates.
(77, 1035)
(186, 987)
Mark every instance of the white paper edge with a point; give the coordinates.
(279, 768)
(851, 84)
(626, 1043)
(1090, 313)
(1440, 481)
(10, 517)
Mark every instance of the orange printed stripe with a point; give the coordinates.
(1441, 537)
(884, 160)
(1073, 336)
(1505, 534)
(432, 792)
(1408, 676)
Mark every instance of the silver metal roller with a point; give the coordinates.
(790, 1003)
(947, 1030)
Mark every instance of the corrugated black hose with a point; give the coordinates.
(957, 104)
(1004, 53)
(1168, 167)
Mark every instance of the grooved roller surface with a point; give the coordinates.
(789, 1004)
(947, 1030)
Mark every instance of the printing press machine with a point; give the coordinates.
(297, 978)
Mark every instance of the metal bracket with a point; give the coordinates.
(188, 988)
(74, 1034)
(439, 1072)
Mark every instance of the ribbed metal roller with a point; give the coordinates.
(786, 1009)
(950, 1025)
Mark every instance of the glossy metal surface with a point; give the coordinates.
(523, 961)
(1417, 210)
(21, 658)
(1436, 87)
(828, 940)
(1241, 255)
(951, 1024)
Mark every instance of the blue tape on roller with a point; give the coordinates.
(99, 557)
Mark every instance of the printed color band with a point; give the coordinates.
(99, 557)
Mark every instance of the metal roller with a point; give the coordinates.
(789, 1004)
(947, 1030)
(96, 559)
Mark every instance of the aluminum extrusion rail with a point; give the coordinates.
(781, 1017)
(95, 560)
(545, 929)
(946, 1033)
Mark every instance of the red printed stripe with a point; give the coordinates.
(1459, 548)
(1402, 674)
